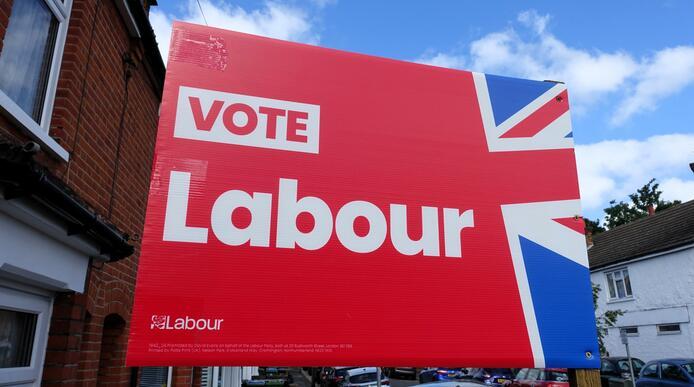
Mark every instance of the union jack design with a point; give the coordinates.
(546, 239)
(536, 118)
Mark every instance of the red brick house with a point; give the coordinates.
(80, 87)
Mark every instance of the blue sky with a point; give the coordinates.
(629, 65)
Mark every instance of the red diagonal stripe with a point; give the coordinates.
(539, 119)
(574, 223)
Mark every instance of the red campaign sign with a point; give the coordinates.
(316, 207)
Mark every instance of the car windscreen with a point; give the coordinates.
(363, 378)
(624, 365)
(342, 372)
(557, 376)
(689, 367)
(498, 371)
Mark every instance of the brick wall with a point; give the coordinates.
(5, 11)
(88, 332)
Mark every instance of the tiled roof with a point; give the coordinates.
(665, 230)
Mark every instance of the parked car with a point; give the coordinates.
(614, 371)
(667, 373)
(333, 376)
(442, 374)
(536, 377)
(491, 376)
(451, 384)
(408, 372)
(270, 377)
(364, 377)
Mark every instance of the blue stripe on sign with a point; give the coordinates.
(509, 95)
(570, 135)
(563, 303)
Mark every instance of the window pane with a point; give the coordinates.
(617, 275)
(27, 50)
(619, 284)
(637, 364)
(627, 282)
(651, 371)
(558, 376)
(607, 366)
(610, 285)
(363, 378)
(154, 376)
(17, 331)
(671, 372)
(669, 328)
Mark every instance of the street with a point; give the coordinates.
(300, 380)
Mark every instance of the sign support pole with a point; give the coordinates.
(378, 376)
(625, 341)
(584, 377)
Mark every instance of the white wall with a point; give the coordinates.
(663, 293)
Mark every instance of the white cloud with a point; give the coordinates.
(532, 19)
(532, 51)
(675, 188)
(612, 169)
(588, 75)
(669, 71)
(443, 60)
(273, 20)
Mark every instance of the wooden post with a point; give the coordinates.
(584, 377)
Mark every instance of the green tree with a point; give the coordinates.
(619, 213)
(604, 321)
(593, 226)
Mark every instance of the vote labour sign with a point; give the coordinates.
(316, 207)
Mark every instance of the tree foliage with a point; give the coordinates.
(619, 213)
(593, 226)
(603, 321)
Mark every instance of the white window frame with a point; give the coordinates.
(630, 334)
(665, 333)
(28, 302)
(39, 130)
(611, 274)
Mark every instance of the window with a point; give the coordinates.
(624, 365)
(689, 368)
(651, 371)
(607, 367)
(618, 284)
(630, 331)
(363, 378)
(17, 331)
(669, 329)
(522, 374)
(672, 372)
(23, 334)
(155, 377)
(557, 376)
(533, 374)
(30, 58)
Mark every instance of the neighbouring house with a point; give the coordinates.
(80, 88)
(646, 269)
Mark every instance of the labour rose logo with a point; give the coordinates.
(158, 322)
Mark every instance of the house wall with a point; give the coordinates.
(88, 331)
(663, 293)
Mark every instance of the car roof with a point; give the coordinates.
(677, 361)
(362, 370)
(450, 384)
